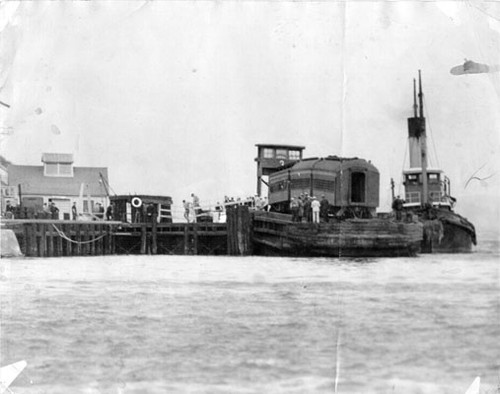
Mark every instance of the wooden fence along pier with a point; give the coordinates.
(57, 238)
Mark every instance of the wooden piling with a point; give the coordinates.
(78, 238)
(195, 238)
(239, 240)
(144, 239)
(50, 240)
(186, 239)
(59, 244)
(154, 240)
(67, 229)
(32, 241)
(92, 236)
(101, 235)
(43, 239)
(107, 241)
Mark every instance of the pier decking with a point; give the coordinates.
(57, 238)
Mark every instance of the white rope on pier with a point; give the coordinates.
(64, 236)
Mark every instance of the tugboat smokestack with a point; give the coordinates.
(420, 95)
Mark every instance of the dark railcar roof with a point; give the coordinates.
(332, 163)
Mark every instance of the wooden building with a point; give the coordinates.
(272, 157)
(141, 208)
(57, 180)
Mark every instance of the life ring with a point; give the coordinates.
(136, 202)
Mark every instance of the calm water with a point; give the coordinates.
(187, 324)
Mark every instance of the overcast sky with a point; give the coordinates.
(172, 96)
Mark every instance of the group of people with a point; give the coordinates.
(10, 210)
(305, 208)
(99, 213)
(252, 201)
(51, 211)
(192, 209)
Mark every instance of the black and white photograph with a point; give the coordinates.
(250, 196)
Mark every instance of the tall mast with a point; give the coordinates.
(420, 95)
(423, 143)
(415, 106)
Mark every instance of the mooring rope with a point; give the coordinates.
(62, 235)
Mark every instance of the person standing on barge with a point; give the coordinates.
(294, 208)
(315, 206)
(397, 206)
(307, 208)
(323, 209)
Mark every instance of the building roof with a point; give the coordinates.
(146, 199)
(283, 146)
(418, 170)
(66, 158)
(34, 182)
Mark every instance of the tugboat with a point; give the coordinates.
(349, 226)
(427, 192)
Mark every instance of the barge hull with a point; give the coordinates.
(275, 234)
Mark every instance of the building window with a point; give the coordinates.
(51, 169)
(281, 154)
(294, 155)
(268, 153)
(433, 178)
(412, 197)
(58, 169)
(412, 179)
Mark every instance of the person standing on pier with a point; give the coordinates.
(9, 210)
(218, 211)
(151, 213)
(196, 205)
(54, 211)
(46, 212)
(74, 211)
(109, 212)
(185, 204)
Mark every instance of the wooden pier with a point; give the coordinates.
(57, 238)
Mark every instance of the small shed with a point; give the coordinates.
(141, 208)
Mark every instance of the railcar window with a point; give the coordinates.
(323, 185)
(301, 183)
